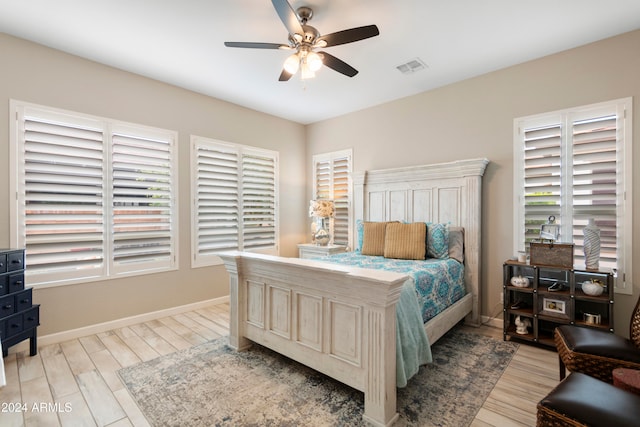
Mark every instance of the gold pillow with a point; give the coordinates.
(373, 238)
(405, 241)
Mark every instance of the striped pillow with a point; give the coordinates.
(405, 241)
(373, 238)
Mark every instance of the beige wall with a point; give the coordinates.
(474, 118)
(40, 75)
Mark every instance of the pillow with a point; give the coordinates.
(456, 243)
(405, 241)
(359, 234)
(373, 238)
(437, 241)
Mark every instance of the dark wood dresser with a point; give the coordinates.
(19, 317)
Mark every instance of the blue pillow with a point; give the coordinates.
(359, 234)
(437, 241)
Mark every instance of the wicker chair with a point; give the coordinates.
(597, 352)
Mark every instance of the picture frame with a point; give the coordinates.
(555, 306)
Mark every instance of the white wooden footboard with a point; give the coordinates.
(338, 320)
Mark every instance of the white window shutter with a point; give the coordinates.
(63, 200)
(95, 197)
(234, 190)
(217, 199)
(142, 200)
(324, 174)
(258, 201)
(542, 177)
(595, 183)
(575, 164)
(341, 197)
(331, 181)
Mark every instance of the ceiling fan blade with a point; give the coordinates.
(338, 65)
(284, 75)
(288, 17)
(350, 35)
(256, 45)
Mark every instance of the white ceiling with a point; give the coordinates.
(181, 42)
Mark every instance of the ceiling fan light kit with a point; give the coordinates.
(307, 61)
(305, 39)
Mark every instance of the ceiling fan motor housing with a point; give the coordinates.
(310, 34)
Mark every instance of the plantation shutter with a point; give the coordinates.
(323, 179)
(235, 193)
(142, 199)
(576, 165)
(62, 216)
(217, 199)
(595, 183)
(258, 201)
(542, 177)
(341, 170)
(332, 172)
(94, 197)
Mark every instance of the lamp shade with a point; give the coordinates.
(321, 208)
(292, 63)
(314, 61)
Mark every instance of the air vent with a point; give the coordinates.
(412, 66)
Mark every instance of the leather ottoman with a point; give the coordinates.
(581, 400)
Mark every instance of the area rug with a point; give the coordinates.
(212, 385)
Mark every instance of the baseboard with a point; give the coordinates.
(492, 321)
(59, 337)
(84, 331)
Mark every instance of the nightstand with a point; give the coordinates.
(311, 250)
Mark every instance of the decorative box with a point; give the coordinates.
(551, 254)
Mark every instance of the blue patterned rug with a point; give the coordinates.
(211, 385)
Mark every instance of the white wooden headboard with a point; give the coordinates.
(444, 193)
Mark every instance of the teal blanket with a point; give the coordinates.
(412, 344)
(434, 285)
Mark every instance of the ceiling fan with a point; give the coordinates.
(305, 40)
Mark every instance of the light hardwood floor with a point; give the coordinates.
(75, 383)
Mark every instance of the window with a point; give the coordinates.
(576, 165)
(95, 198)
(331, 172)
(234, 191)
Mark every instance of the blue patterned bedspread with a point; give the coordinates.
(434, 285)
(438, 282)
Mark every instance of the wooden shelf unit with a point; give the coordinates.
(547, 309)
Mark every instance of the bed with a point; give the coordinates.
(341, 319)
